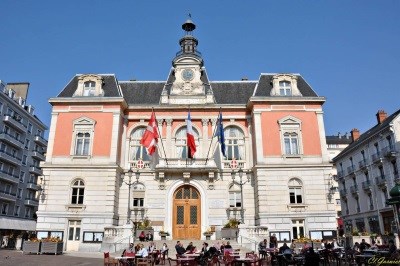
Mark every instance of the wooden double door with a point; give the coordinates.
(186, 213)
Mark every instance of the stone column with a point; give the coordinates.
(258, 136)
(204, 122)
(168, 141)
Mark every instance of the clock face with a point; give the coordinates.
(187, 74)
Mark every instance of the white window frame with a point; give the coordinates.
(292, 127)
(97, 90)
(28, 211)
(17, 210)
(235, 196)
(295, 185)
(78, 185)
(285, 88)
(135, 146)
(298, 223)
(180, 142)
(235, 145)
(289, 78)
(4, 208)
(138, 195)
(89, 88)
(83, 125)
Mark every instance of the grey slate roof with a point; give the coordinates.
(338, 140)
(110, 86)
(265, 86)
(371, 132)
(233, 92)
(136, 92)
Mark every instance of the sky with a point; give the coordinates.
(348, 51)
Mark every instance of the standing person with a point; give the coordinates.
(293, 246)
(364, 245)
(273, 241)
(152, 246)
(228, 245)
(164, 249)
(392, 247)
(262, 247)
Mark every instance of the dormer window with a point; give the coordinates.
(89, 88)
(285, 88)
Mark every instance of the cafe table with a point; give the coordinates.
(243, 261)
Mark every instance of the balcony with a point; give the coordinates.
(358, 209)
(33, 186)
(40, 140)
(9, 177)
(354, 189)
(362, 164)
(9, 139)
(7, 196)
(31, 202)
(366, 185)
(10, 158)
(38, 155)
(377, 158)
(343, 192)
(15, 123)
(35, 170)
(389, 152)
(340, 174)
(200, 165)
(350, 170)
(380, 181)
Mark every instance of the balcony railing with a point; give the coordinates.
(343, 192)
(9, 177)
(377, 157)
(354, 189)
(380, 180)
(350, 169)
(38, 155)
(40, 140)
(35, 170)
(31, 202)
(179, 164)
(9, 157)
(8, 196)
(366, 185)
(389, 151)
(32, 186)
(11, 140)
(362, 164)
(340, 174)
(14, 122)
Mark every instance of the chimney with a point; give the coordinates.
(245, 78)
(381, 116)
(355, 134)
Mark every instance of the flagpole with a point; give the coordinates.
(216, 126)
(160, 134)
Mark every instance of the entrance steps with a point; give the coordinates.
(197, 243)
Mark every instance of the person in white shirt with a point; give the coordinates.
(152, 246)
(142, 252)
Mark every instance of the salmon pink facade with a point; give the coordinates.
(101, 185)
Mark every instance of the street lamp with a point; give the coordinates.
(129, 184)
(240, 183)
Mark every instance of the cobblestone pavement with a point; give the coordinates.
(17, 258)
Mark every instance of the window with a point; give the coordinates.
(395, 169)
(291, 143)
(28, 212)
(295, 191)
(27, 143)
(92, 237)
(82, 144)
(137, 150)
(24, 159)
(180, 142)
(360, 224)
(89, 88)
(16, 210)
(235, 197)
(281, 236)
(83, 136)
(4, 208)
(6, 130)
(298, 228)
(371, 202)
(19, 193)
(1, 107)
(234, 141)
(74, 230)
(17, 136)
(338, 202)
(50, 234)
(285, 88)
(39, 133)
(290, 128)
(3, 147)
(11, 170)
(78, 190)
(138, 195)
(22, 177)
(30, 128)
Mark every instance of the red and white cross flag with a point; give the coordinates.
(150, 136)
(191, 144)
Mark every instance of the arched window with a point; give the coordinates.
(235, 197)
(89, 88)
(291, 143)
(78, 191)
(82, 143)
(180, 142)
(285, 88)
(137, 151)
(295, 191)
(234, 142)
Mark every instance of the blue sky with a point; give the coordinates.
(348, 51)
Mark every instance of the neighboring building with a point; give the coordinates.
(367, 169)
(274, 130)
(22, 147)
(335, 145)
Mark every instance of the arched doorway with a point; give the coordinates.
(186, 221)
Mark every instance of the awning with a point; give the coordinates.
(17, 224)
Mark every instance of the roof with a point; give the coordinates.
(109, 87)
(369, 133)
(233, 92)
(265, 86)
(338, 139)
(136, 92)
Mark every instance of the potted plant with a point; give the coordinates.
(163, 234)
(52, 245)
(31, 246)
(208, 233)
(230, 229)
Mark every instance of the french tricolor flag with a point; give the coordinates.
(190, 138)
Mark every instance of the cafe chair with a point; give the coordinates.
(108, 261)
(173, 262)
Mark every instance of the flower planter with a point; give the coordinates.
(163, 236)
(31, 247)
(208, 236)
(229, 233)
(52, 247)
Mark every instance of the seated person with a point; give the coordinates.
(284, 249)
(262, 247)
(149, 236)
(179, 248)
(228, 245)
(293, 246)
(151, 247)
(392, 247)
(142, 236)
(164, 249)
(142, 253)
(364, 245)
(190, 247)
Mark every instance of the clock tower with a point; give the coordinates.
(187, 82)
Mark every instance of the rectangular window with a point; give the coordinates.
(19, 193)
(28, 212)
(295, 195)
(3, 147)
(281, 236)
(138, 202)
(92, 237)
(24, 159)
(235, 200)
(74, 230)
(77, 195)
(11, 170)
(22, 177)
(27, 144)
(4, 208)
(30, 128)
(16, 211)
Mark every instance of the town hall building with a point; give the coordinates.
(98, 182)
